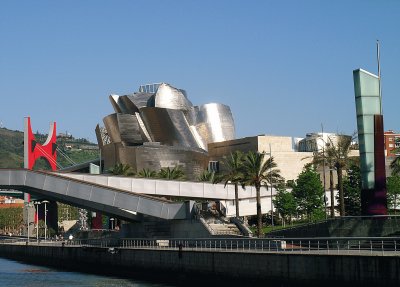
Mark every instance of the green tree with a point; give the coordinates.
(335, 156)
(309, 192)
(10, 219)
(393, 190)
(147, 173)
(122, 169)
(67, 212)
(234, 174)
(285, 203)
(257, 172)
(352, 190)
(395, 166)
(171, 173)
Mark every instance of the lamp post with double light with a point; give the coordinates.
(45, 218)
(37, 203)
(28, 207)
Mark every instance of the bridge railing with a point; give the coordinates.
(340, 245)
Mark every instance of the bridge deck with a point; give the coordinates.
(111, 200)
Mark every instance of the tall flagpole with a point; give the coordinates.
(378, 58)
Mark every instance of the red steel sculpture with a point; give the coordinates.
(34, 150)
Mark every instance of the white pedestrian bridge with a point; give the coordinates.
(129, 197)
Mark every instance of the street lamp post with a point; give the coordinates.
(45, 218)
(28, 207)
(112, 223)
(37, 220)
(27, 218)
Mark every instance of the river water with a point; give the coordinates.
(13, 273)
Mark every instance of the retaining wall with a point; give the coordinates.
(344, 227)
(255, 268)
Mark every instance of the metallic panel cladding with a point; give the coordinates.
(168, 117)
(168, 127)
(130, 129)
(171, 98)
(130, 107)
(141, 100)
(214, 122)
(124, 128)
(111, 124)
(165, 129)
(155, 156)
(143, 130)
(114, 102)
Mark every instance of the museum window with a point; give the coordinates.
(213, 166)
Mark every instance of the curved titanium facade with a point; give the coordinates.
(168, 127)
(171, 98)
(163, 114)
(111, 124)
(142, 100)
(214, 122)
(124, 128)
(129, 106)
(154, 157)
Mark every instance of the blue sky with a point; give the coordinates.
(284, 67)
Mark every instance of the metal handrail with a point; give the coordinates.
(311, 245)
(322, 245)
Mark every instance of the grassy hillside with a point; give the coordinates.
(12, 150)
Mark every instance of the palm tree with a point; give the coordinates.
(234, 174)
(147, 173)
(122, 169)
(174, 173)
(258, 172)
(335, 156)
(339, 153)
(208, 176)
(326, 158)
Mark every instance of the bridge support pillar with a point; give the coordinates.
(29, 220)
(52, 216)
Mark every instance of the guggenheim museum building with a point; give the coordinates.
(158, 127)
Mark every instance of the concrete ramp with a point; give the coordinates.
(113, 201)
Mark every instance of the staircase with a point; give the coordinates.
(215, 222)
(223, 228)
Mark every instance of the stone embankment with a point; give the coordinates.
(252, 267)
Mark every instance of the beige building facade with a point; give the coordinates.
(290, 162)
